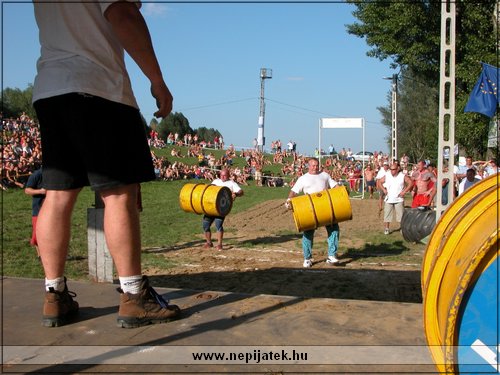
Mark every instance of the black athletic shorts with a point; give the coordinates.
(87, 140)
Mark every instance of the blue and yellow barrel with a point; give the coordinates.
(460, 283)
(311, 211)
(203, 199)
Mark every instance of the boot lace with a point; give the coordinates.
(161, 301)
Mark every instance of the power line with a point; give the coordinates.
(314, 111)
(270, 100)
(216, 104)
(295, 106)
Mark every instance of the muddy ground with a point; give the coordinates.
(262, 255)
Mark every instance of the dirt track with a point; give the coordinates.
(262, 255)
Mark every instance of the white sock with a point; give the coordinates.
(131, 284)
(57, 284)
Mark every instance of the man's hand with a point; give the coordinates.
(163, 98)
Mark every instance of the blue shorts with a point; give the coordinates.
(208, 220)
(88, 140)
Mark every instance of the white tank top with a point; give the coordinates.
(394, 186)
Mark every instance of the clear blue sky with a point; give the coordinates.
(211, 55)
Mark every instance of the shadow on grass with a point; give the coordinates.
(270, 240)
(370, 250)
(181, 246)
(264, 240)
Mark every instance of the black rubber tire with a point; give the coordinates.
(416, 224)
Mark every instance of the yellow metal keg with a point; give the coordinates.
(203, 199)
(311, 211)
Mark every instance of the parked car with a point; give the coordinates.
(360, 156)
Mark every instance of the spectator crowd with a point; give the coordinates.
(21, 152)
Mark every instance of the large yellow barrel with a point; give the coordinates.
(203, 199)
(311, 211)
(460, 283)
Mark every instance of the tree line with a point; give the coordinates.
(176, 122)
(16, 101)
(408, 34)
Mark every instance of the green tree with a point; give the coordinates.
(206, 134)
(409, 34)
(417, 113)
(175, 122)
(16, 101)
(153, 124)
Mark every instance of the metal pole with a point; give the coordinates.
(446, 110)
(363, 184)
(262, 113)
(319, 142)
(261, 139)
(395, 117)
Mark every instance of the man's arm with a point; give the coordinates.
(288, 204)
(237, 192)
(32, 191)
(408, 186)
(433, 192)
(331, 182)
(132, 32)
(380, 184)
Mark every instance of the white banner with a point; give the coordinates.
(342, 123)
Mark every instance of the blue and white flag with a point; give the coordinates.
(484, 96)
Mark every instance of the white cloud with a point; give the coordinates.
(154, 10)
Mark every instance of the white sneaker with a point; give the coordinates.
(308, 263)
(332, 259)
(386, 231)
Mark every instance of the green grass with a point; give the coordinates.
(18, 257)
(163, 225)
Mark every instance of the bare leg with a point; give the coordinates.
(122, 228)
(53, 230)
(220, 235)
(208, 237)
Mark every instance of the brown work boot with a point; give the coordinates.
(59, 307)
(145, 307)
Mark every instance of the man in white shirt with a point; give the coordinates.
(312, 182)
(461, 170)
(394, 186)
(382, 172)
(491, 167)
(469, 180)
(236, 191)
